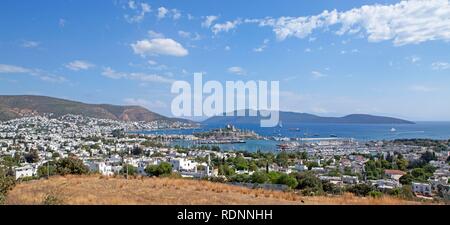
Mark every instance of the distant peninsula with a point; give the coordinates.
(294, 117)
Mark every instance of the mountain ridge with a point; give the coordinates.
(17, 106)
(295, 117)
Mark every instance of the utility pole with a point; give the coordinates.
(127, 162)
(48, 170)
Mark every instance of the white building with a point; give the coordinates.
(421, 188)
(180, 164)
(350, 179)
(318, 169)
(101, 167)
(24, 171)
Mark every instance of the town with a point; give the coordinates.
(41, 146)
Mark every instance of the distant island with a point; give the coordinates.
(294, 117)
(18, 106)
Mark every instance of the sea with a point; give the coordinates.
(359, 132)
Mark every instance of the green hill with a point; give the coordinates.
(12, 107)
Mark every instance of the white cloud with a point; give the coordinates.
(190, 17)
(262, 47)
(413, 59)
(162, 12)
(307, 50)
(43, 75)
(79, 65)
(237, 70)
(145, 103)
(227, 48)
(225, 27)
(176, 14)
(440, 65)
(151, 62)
(144, 77)
(159, 46)
(13, 69)
(189, 35)
(209, 20)
(140, 12)
(317, 75)
(406, 22)
(154, 34)
(30, 44)
(421, 88)
(132, 4)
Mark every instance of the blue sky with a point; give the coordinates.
(331, 58)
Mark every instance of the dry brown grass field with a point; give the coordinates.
(98, 190)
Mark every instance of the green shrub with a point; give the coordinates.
(163, 168)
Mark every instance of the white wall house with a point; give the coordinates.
(180, 164)
(24, 171)
(300, 167)
(421, 188)
(350, 179)
(101, 167)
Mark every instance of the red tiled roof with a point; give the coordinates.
(394, 172)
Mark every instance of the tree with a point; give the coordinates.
(375, 194)
(137, 150)
(282, 159)
(331, 188)
(71, 165)
(49, 168)
(259, 177)
(287, 180)
(32, 157)
(310, 165)
(252, 166)
(406, 179)
(402, 164)
(310, 183)
(273, 176)
(240, 163)
(163, 168)
(428, 156)
(240, 178)
(129, 170)
(55, 155)
(335, 172)
(404, 192)
(360, 189)
(303, 155)
(226, 170)
(6, 184)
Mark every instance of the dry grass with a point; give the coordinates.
(82, 190)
